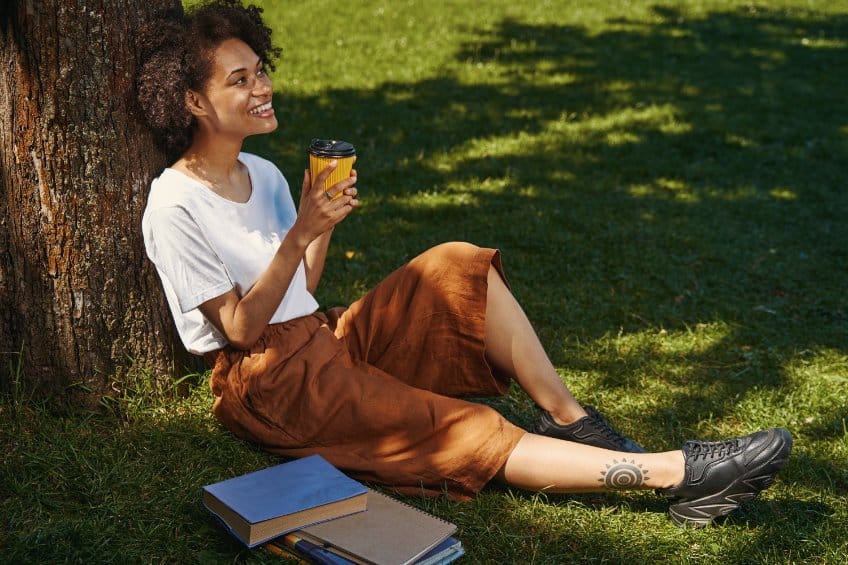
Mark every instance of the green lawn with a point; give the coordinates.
(667, 182)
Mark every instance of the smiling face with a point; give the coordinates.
(236, 99)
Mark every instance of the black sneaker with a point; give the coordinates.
(721, 475)
(590, 430)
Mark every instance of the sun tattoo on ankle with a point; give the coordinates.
(623, 474)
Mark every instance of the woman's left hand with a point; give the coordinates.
(320, 210)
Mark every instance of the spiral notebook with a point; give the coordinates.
(389, 532)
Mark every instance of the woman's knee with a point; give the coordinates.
(459, 253)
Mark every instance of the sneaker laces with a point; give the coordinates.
(712, 449)
(604, 429)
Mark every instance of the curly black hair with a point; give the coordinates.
(176, 55)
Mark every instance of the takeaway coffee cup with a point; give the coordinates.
(322, 151)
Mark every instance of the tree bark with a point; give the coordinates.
(81, 308)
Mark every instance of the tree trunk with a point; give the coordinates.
(80, 305)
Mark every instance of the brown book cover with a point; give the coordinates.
(389, 532)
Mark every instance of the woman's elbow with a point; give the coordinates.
(242, 340)
(312, 282)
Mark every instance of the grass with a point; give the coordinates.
(666, 182)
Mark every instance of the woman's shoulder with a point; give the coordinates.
(266, 176)
(256, 163)
(170, 188)
(261, 166)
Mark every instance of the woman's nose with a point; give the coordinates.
(262, 85)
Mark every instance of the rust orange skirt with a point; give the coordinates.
(376, 388)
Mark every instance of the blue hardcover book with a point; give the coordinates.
(293, 545)
(270, 502)
(446, 552)
(307, 552)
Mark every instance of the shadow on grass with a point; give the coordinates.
(829, 425)
(653, 176)
(79, 488)
(816, 473)
(650, 178)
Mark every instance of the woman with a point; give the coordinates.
(374, 388)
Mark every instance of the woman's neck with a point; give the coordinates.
(216, 165)
(216, 154)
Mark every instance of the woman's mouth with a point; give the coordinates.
(262, 111)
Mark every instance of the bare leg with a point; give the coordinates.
(542, 463)
(513, 347)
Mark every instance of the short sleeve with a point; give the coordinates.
(183, 255)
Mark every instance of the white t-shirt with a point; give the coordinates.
(203, 245)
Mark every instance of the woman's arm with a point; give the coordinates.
(314, 259)
(242, 319)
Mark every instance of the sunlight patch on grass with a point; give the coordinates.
(651, 352)
(434, 200)
(617, 138)
(690, 90)
(562, 175)
(566, 132)
(673, 352)
(400, 94)
(783, 193)
(530, 191)
(493, 185)
(697, 340)
(666, 188)
(824, 43)
(679, 191)
(739, 141)
(546, 72)
(745, 192)
(615, 86)
(642, 191)
(769, 58)
(682, 191)
(622, 124)
(465, 192)
(476, 149)
(820, 375)
(522, 113)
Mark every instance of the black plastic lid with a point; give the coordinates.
(331, 148)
